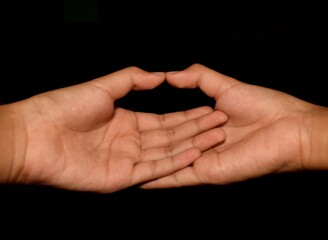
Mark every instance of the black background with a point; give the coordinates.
(277, 46)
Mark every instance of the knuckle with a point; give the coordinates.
(169, 152)
(170, 133)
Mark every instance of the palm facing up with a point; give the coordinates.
(76, 138)
(263, 134)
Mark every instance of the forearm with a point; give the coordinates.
(316, 150)
(11, 144)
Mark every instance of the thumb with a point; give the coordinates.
(209, 81)
(121, 82)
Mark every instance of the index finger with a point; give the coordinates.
(209, 81)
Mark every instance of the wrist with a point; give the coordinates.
(315, 146)
(12, 144)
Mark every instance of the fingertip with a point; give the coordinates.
(211, 120)
(171, 75)
(138, 73)
(210, 138)
(196, 152)
(221, 116)
(193, 153)
(157, 77)
(220, 134)
(198, 112)
(187, 157)
(180, 80)
(225, 117)
(147, 80)
(159, 74)
(205, 109)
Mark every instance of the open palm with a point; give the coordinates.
(263, 133)
(77, 139)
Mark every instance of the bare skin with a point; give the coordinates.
(75, 138)
(267, 132)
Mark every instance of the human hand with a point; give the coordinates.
(75, 138)
(268, 131)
